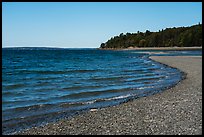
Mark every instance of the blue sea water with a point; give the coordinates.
(41, 85)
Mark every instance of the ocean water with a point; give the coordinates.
(41, 85)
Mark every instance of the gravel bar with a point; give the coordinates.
(175, 111)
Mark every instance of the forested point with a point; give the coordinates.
(170, 37)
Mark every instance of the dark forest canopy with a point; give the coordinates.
(170, 37)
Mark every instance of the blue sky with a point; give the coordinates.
(88, 24)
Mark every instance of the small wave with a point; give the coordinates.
(107, 99)
(94, 101)
(47, 78)
(119, 97)
(71, 104)
(13, 86)
(80, 87)
(47, 72)
(72, 88)
(90, 102)
(40, 84)
(93, 93)
(85, 70)
(146, 78)
(8, 93)
(32, 107)
(108, 78)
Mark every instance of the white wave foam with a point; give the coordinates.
(119, 97)
(90, 102)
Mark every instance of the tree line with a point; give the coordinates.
(170, 37)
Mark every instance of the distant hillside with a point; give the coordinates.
(170, 37)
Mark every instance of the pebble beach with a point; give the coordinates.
(175, 111)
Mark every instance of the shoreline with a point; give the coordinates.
(156, 48)
(177, 110)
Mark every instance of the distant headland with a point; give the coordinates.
(165, 38)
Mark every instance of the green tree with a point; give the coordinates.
(142, 43)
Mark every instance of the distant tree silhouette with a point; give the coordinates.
(169, 37)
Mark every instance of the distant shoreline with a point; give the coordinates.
(130, 48)
(156, 48)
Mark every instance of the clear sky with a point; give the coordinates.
(88, 24)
